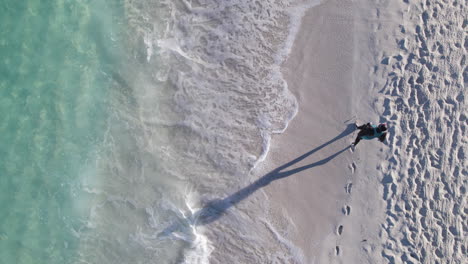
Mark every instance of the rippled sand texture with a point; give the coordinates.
(417, 85)
(425, 175)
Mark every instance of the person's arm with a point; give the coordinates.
(365, 126)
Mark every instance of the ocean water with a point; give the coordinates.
(127, 126)
(53, 94)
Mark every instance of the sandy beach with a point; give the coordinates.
(400, 202)
(205, 131)
(319, 75)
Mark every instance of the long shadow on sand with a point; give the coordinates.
(214, 209)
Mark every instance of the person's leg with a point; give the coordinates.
(358, 138)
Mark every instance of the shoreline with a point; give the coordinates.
(318, 69)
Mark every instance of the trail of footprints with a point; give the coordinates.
(339, 230)
(348, 188)
(346, 209)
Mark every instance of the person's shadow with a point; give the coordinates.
(214, 209)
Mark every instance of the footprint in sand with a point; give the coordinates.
(348, 188)
(340, 230)
(352, 167)
(347, 210)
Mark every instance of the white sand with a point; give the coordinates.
(402, 202)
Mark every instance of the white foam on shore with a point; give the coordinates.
(228, 47)
(225, 62)
(200, 247)
(196, 106)
(295, 14)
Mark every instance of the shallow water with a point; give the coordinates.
(54, 96)
(125, 124)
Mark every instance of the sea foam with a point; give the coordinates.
(195, 108)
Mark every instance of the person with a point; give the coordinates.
(369, 131)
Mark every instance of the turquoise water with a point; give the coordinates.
(121, 121)
(56, 57)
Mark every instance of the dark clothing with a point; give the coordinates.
(361, 134)
(369, 131)
(367, 128)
